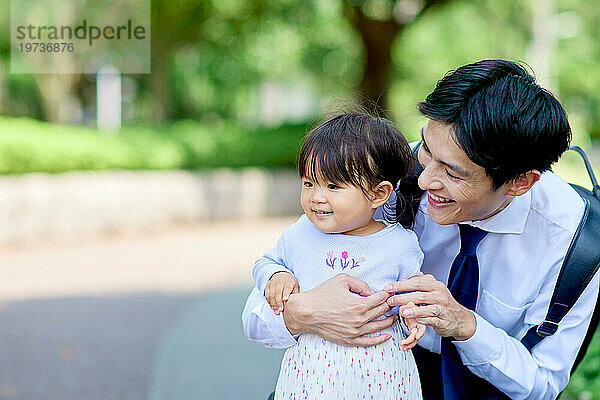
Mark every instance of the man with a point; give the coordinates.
(495, 222)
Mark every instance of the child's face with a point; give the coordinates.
(339, 208)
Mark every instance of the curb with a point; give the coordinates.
(45, 206)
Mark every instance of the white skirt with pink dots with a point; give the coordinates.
(315, 368)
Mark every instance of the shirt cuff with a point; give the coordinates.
(281, 334)
(483, 347)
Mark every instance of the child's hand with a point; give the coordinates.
(279, 288)
(416, 329)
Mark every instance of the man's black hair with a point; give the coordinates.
(501, 118)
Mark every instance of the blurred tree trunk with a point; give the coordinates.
(174, 24)
(159, 79)
(378, 36)
(59, 101)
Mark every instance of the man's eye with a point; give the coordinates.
(452, 176)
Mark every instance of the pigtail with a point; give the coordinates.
(408, 198)
(408, 195)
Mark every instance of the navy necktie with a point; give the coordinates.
(463, 283)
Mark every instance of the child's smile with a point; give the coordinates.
(322, 214)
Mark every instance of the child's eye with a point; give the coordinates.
(332, 186)
(452, 176)
(307, 184)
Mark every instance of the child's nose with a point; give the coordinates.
(318, 196)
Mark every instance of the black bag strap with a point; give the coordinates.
(579, 267)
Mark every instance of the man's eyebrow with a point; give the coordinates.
(456, 169)
(453, 167)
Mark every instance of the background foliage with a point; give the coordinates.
(211, 58)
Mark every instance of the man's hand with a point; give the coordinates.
(333, 311)
(279, 288)
(416, 329)
(439, 309)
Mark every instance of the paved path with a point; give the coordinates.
(150, 316)
(184, 260)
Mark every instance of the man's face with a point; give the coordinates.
(458, 190)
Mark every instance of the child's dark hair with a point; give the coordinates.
(359, 149)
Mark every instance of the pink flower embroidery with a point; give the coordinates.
(343, 261)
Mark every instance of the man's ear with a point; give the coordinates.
(381, 193)
(523, 183)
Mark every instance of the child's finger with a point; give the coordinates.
(287, 290)
(268, 294)
(272, 299)
(413, 334)
(279, 297)
(409, 340)
(420, 331)
(410, 345)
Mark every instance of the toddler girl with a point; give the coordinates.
(349, 166)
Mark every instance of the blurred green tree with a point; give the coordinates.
(213, 57)
(379, 22)
(210, 56)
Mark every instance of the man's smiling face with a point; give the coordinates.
(458, 190)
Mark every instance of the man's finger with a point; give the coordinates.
(377, 311)
(421, 283)
(378, 325)
(355, 285)
(376, 299)
(368, 341)
(432, 310)
(415, 297)
(434, 322)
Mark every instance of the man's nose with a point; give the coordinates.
(429, 178)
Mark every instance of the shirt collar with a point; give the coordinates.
(510, 220)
